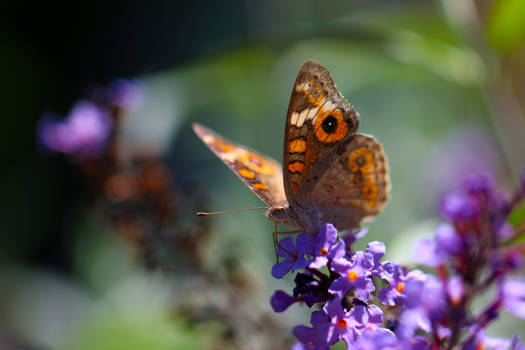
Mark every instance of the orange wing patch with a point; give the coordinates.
(361, 161)
(369, 191)
(296, 167)
(297, 146)
(259, 186)
(256, 163)
(247, 173)
(223, 146)
(330, 126)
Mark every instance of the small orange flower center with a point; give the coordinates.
(310, 344)
(352, 276)
(480, 346)
(324, 251)
(341, 323)
(400, 287)
(455, 301)
(295, 257)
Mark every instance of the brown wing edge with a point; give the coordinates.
(276, 194)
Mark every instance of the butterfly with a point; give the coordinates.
(331, 173)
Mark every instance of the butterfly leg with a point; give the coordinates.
(276, 241)
(275, 244)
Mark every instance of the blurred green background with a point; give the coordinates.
(440, 83)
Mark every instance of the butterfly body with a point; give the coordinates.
(330, 173)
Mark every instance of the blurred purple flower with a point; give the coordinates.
(479, 184)
(83, 133)
(447, 242)
(457, 207)
(125, 94)
(354, 274)
(455, 289)
(378, 339)
(425, 253)
(512, 293)
(424, 304)
(482, 341)
(515, 343)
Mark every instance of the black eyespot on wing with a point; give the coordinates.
(330, 124)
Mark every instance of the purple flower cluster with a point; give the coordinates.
(372, 304)
(85, 131)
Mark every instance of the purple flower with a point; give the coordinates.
(125, 94)
(369, 316)
(280, 301)
(479, 184)
(482, 341)
(354, 274)
(324, 240)
(425, 253)
(83, 133)
(378, 339)
(455, 289)
(515, 343)
(447, 243)
(424, 305)
(308, 339)
(377, 250)
(293, 255)
(458, 208)
(336, 251)
(324, 248)
(341, 324)
(512, 293)
(306, 285)
(394, 294)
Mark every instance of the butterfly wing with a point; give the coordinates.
(261, 174)
(319, 120)
(355, 186)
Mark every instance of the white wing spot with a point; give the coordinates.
(207, 138)
(301, 87)
(294, 117)
(302, 118)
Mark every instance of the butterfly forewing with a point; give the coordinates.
(318, 121)
(261, 174)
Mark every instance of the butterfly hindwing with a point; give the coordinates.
(355, 185)
(319, 120)
(261, 174)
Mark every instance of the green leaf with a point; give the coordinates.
(518, 215)
(506, 30)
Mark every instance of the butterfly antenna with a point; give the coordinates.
(229, 211)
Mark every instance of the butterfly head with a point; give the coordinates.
(282, 215)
